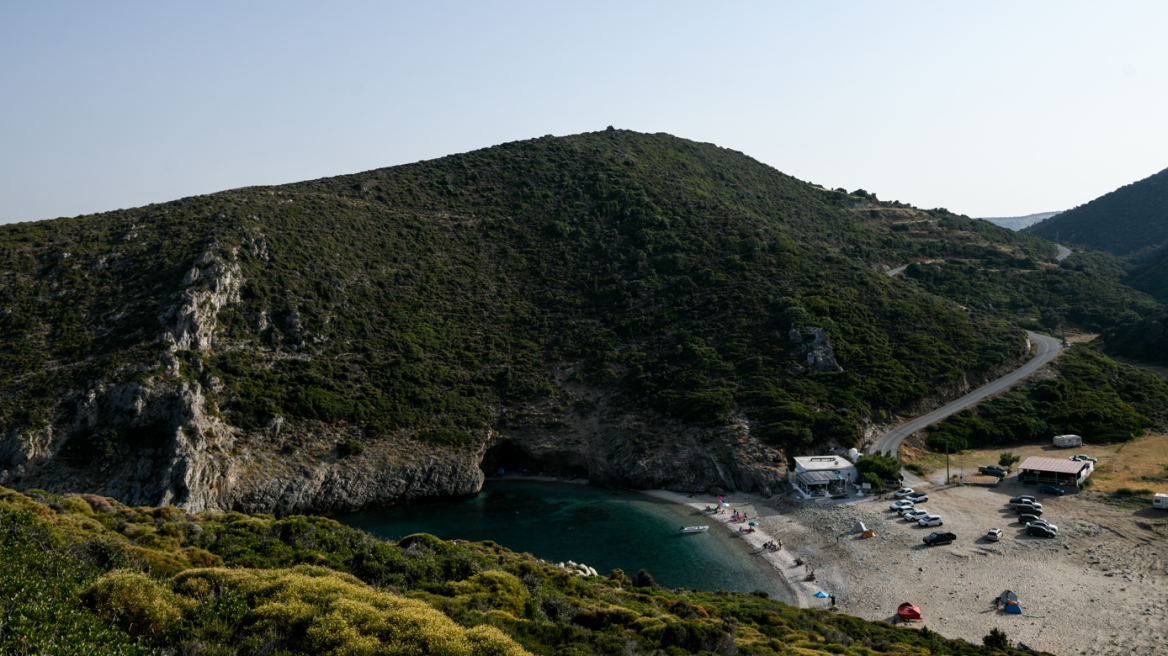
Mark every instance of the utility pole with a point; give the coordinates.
(946, 460)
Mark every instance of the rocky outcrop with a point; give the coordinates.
(813, 349)
(190, 324)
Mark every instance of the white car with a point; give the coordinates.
(930, 520)
(1043, 522)
(1081, 457)
(900, 505)
(902, 492)
(994, 535)
(914, 515)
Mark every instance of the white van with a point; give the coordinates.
(1160, 501)
(1067, 441)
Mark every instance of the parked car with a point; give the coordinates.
(994, 534)
(930, 520)
(1040, 531)
(1051, 489)
(933, 539)
(907, 509)
(903, 492)
(918, 497)
(1043, 522)
(1026, 509)
(915, 515)
(898, 505)
(993, 470)
(1022, 499)
(1028, 519)
(1081, 457)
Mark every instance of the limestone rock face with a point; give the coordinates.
(814, 349)
(190, 324)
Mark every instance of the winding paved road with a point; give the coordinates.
(1048, 348)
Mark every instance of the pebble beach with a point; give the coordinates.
(1100, 587)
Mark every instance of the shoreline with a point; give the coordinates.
(783, 561)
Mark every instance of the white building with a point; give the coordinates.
(823, 475)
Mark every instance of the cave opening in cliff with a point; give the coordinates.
(512, 458)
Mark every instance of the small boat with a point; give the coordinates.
(694, 529)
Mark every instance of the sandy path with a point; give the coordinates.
(1100, 587)
(783, 561)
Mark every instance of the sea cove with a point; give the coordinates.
(559, 522)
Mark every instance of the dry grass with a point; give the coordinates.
(1081, 338)
(1145, 457)
(1120, 465)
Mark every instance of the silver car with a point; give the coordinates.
(915, 515)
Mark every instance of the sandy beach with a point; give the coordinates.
(1100, 587)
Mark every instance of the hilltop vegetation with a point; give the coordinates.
(516, 288)
(94, 577)
(1123, 222)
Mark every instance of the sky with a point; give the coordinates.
(988, 109)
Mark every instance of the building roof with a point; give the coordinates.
(1034, 463)
(818, 477)
(822, 463)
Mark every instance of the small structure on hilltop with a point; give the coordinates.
(1056, 471)
(818, 476)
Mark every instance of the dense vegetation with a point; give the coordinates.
(1129, 219)
(1092, 396)
(440, 298)
(95, 577)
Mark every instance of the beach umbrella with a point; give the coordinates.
(754, 523)
(822, 595)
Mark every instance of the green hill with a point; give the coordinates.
(1122, 222)
(638, 308)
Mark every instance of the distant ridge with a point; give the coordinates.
(1122, 222)
(1019, 222)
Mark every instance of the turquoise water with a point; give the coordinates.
(559, 522)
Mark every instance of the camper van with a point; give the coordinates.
(1067, 441)
(1160, 501)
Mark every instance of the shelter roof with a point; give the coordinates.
(1035, 463)
(818, 476)
(817, 463)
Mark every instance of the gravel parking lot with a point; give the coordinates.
(1099, 587)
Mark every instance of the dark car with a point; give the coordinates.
(939, 538)
(1027, 509)
(993, 470)
(1050, 489)
(917, 497)
(1040, 530)
(1028, 519)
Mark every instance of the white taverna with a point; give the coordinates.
(818, 476)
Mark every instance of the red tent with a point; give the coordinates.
(908, 612)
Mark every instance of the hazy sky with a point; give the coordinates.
(988, 109)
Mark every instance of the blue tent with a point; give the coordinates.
(1008, 602)
(822, 595)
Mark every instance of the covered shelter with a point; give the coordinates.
(1055, 471)
(907, 611)
(823, 475)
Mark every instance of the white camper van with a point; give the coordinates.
(1160, 501)
(1067, 441)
